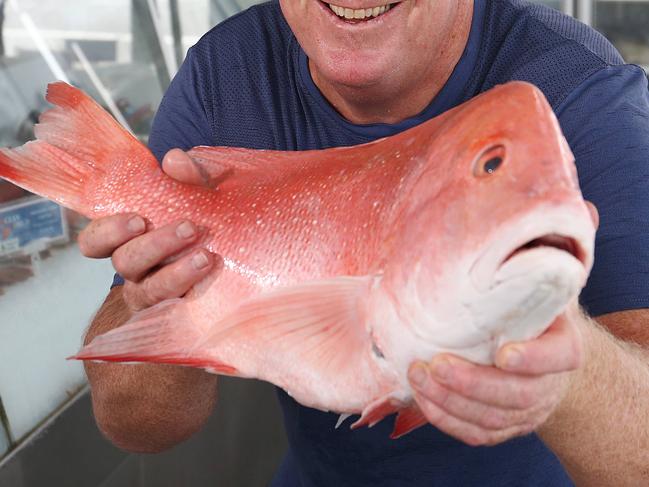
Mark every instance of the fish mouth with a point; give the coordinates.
(547, 233)
(551, 240)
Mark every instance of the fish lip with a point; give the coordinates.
(568, 230)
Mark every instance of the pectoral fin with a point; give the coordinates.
(313, 332)
(309, 339)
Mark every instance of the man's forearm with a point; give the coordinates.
(600, 432)
(145, 408)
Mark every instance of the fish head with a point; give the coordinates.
(493, 237)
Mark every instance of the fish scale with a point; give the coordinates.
(341, 266)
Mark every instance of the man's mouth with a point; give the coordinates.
(361, 14)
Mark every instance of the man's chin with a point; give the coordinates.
(357, 73)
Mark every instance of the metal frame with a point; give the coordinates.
(3, 3)
(5, 429)
(584, 11)
(176, 31)
(144, 14)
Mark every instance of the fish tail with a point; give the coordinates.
(46, 170)
(79, 149)
(161, 334)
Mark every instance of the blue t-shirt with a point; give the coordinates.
(246, 83)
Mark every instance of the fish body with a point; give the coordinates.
(341, 266)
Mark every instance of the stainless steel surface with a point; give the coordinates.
(240, 446)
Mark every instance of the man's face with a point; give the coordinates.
(401, 42)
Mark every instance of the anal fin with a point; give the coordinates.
(408, 420)
(378, 410)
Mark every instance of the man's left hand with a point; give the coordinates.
(486, 405)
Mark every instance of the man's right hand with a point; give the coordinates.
(145, 257)
(148, 407)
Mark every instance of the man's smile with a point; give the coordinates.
(355, 15)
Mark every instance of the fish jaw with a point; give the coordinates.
(529, 292)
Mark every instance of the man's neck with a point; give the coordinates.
(395, 99)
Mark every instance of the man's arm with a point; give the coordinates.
(145, 408)
(600, 431)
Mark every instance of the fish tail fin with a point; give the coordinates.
(162, 334)
(79, 148)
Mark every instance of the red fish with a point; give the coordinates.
(342, 266)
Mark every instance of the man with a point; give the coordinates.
(301, 74)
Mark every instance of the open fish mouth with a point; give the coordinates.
(552, 240)
(528, 243)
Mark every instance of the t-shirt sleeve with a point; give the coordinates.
(606, 123)
(182, 120)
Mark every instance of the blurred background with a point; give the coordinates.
(124, 53)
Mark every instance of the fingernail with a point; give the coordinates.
(418, 375)
(200, 261)
(513, 358)
(136, 225)
(442, 370)
(185, 230)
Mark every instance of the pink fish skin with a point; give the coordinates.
(342, 266)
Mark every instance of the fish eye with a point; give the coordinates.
(492, 164)
(489, 161)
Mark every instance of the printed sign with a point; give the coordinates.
(30, 225)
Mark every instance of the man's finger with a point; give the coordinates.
(559, 349)
(180, 166)
(462, 430)
(480, 383)
(484, 415)
(139, 256)
(101, 237)
(171, 281)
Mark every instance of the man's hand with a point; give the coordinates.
(484, 405)
(144, 258)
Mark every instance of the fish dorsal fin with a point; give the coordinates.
(310, 339)
(220, 163)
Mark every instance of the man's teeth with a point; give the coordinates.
(363, 13)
